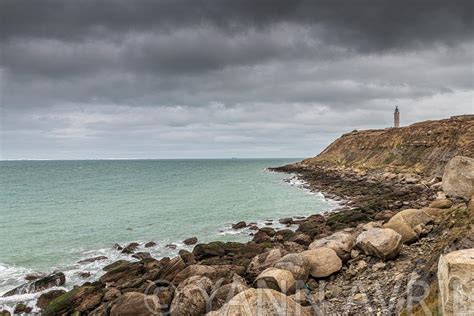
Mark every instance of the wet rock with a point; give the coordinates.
(322, 261)
(171, 268)
(55, 279)
(34, 276)
(111, 294)
(115, 265)
(341, 242)
(239, 225)
(191, 296)
(253, 227)
(301, 239)
(286, 221)
(117, 247)
(141, 255)
(260, 302)
(263, 261)
(123, 273)
(150, 244)
(384, 243)
(286, 234)
(458, 177)
(187, 257)
(22, 308)
(216, 248)
(171, 246)
(441, 203)
(84, 274)
(46, 298)
(89, 260)
(455, 279)
(134, 303)
(190, 241)
(130, 248)
(261, 237)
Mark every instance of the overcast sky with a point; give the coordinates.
(223, 78)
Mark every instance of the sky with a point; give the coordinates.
(223, 78)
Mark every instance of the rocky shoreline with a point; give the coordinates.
(378, 254)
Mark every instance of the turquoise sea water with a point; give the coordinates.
(53, 213)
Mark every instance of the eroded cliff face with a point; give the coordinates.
(423, 148)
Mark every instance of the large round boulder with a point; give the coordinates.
(191, 296)
(296, 264)
(276, 279)
(341, 242)
(263, 261)
(458, 177)
(406, 221)
(322, 261)
(261, 302)
(384, 243)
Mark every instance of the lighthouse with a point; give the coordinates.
(396, 117)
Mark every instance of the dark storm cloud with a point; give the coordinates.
(258, 77)
(377, 24)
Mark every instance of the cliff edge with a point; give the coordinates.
(422, 148)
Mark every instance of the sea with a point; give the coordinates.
(56, 213)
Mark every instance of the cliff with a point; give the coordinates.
(423, 148)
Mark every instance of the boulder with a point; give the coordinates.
(286, 221)
(46, 298)
(150, 244)
(115, 264)
(190, 241)
(226, 292)
(239, 225)
(134, 303)
(215, 248)
(458, 177)
(55, 279)
(171, 269)
(89, 260)
(441, 203)
(296, 264)
(261, 302)
(191, 296)
(261, 237)
(322, 261)
(276, 279)
(301, 239)
(341, 242)
(405, 221)
(187, 257)
(384, 215)
(22, 308)
(384, 243)
(263, 261)
(141, 255)
(213, 272)
(130, 248)
(456, 282)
